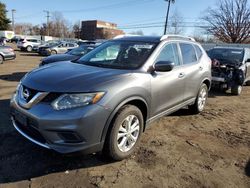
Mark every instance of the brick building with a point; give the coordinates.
(95, 29)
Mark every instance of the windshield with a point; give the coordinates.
(235, 55)
(119, 54)
(80, 50)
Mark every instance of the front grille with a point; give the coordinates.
(32, 92)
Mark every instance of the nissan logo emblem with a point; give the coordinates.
(26, 94)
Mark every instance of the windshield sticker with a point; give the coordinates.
(147, 46)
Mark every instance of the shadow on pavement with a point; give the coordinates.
(30, 54)
(14, 77)
(213, 93)
(247, 168)
(22, 160)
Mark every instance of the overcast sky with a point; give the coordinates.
(130, 15)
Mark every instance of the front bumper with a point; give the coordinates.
(64, 131)
(9, 56)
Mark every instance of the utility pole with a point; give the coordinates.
(48, 16)
(166, 22)
(13, 19)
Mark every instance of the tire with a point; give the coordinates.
(201, 100)
(248, 83)
(236, 90)
(1, 59)
(29, 48)
(123, 147)
(53, 52)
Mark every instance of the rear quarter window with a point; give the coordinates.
(198, 51)
(188, 53)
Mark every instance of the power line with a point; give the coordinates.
(115, 5)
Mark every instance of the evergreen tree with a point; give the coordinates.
(4, 21)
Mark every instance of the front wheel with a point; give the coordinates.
(236, 90)
(201, 100)
(125, 133)
(53, 52)
(29, 48)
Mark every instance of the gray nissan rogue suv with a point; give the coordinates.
(106, 99)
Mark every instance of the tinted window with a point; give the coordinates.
(188, 53)
(71, 45)
(169, 53)
(198, 51)
(32, 40)
(226, 54)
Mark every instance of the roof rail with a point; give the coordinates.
(164, 37)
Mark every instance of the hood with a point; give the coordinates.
(59, 57)
(70, 77)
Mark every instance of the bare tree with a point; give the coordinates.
(23, 28)
(59, 26)
(76, 30)
(230, 22)
(176, 21)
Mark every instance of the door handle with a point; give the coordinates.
(181, 75)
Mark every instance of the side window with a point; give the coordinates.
(198, 52)
(188, 53)
(71, 45)
(169, 53)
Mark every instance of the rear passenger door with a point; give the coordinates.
(192, 69)
(167, 87)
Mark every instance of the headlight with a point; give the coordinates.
(67, 101)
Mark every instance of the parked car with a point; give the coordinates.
(6, 53)
(57, 48)
(106, 99)
(71, 55)
(45, 44)
(27, 44)
(230, 68)
(15, 39)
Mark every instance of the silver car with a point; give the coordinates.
(105, 100)
(60, 48)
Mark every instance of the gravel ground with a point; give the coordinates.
(181, 150)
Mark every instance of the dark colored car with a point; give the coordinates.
(230, 68)
(6, 53)
(106, 99)
(71, 55)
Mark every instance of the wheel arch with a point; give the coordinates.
(207, 81)
(136, 101)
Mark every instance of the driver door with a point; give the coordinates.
(167, 87)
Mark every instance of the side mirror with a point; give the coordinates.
(163, 66)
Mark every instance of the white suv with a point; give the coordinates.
(28, 44)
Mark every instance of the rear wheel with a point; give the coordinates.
(236, 90)
(201, 100)
(1, 59)
(125, 133)
(53, 52)
(29, 48)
